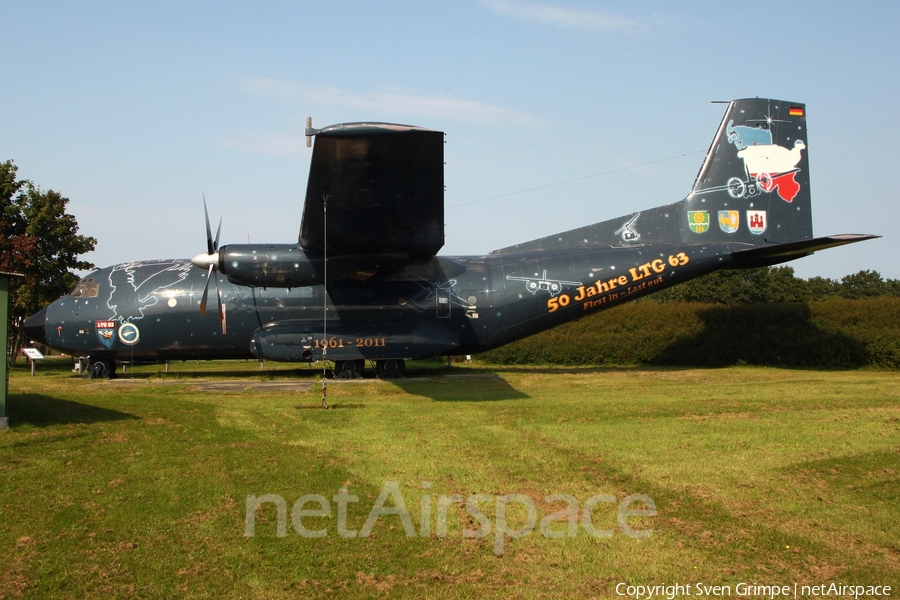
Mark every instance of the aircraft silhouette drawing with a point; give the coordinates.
(364, 280)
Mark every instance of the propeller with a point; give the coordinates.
(210, 261)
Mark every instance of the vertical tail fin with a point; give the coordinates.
(754, 184)
(753, 188)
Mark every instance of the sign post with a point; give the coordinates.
(4, 335)
(33, 354)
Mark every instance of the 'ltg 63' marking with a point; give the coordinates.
(654, 267)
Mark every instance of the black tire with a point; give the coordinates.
(102, 368)
(390, 369)
(349, 369)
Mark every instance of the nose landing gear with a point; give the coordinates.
(102, 368)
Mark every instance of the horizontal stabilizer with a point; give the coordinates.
(778, 253)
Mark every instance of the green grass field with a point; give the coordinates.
(138, 488)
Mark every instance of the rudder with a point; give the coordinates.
(753, 185)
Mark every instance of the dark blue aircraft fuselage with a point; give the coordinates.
(455, 305)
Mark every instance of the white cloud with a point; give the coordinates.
(561, 16)
(388, 102)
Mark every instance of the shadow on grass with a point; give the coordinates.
(217, 374)
(42, 411)
(776, 335)
(574, 370)
(702, 336)
(461, 387)
(870, 477)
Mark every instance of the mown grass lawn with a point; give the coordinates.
(138, 488)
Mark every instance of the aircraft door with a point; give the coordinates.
(442, 301)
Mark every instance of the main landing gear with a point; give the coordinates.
(390, 369)
(102, 368)
(349, 369)
(385, 369)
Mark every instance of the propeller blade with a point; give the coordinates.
(221, 307)
(208, 261)
(206, 289)
(218, 231)
(209, 240)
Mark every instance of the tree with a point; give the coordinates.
(822, 288)
(865, 284)
(784, 286)
(892, 286)
(750, 286)
(39, 240)
(776, 284)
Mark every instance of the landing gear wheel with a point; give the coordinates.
(390, 369)
(349, 369)
(102, 368)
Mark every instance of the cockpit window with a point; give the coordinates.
(86, 288)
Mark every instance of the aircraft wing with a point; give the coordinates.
(382, 186)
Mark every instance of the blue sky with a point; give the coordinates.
(132, 110)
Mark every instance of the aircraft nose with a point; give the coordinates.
(34, 327)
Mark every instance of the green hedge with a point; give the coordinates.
(830, 334)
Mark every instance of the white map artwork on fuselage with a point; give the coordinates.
(137, 286)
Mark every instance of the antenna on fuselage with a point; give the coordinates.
(324, 292)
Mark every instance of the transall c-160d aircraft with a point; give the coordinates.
(364, 280)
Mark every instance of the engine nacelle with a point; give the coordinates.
(289, 265)
(270, 265)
